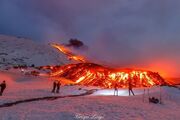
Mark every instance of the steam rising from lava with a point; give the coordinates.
(138, 33)
(68, 53)
(96, 75)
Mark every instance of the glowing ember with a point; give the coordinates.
(68, 53)
(96, 75)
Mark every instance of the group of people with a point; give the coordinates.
(56, 86)
(130, 86)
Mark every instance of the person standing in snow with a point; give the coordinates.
(130, 87)
(116, 89)
(58, 86)
(54, 86)
(3, 87)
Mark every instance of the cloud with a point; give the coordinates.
(122, 33)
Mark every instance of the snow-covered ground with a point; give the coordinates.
(23, 51)
(101, 105)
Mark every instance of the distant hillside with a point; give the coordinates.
(23, 51)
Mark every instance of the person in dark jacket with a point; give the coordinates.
(130, 87)
(54, 86)
(116, 89)
(3, 87)
(58, 86)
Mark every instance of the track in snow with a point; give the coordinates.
(88, 92)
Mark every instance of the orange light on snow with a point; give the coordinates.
(166, 68)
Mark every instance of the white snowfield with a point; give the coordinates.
(23, 51)
(102, 105)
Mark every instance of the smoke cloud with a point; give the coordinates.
(122, 33)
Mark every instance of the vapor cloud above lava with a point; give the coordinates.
(123, 33)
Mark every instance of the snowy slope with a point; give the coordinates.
(101, 105)
(20, 51)
(92, 107)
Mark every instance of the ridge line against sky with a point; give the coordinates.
(127, 33)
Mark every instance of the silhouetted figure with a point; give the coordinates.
(154, 100)
(116, 89)
(130, 87)
(54, 86)
(3, 87)
(58, 86)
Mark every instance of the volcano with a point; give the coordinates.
(91, 74)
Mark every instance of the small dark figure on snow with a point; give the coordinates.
(3, 87)
(116, 89)
(154, 100)
(130, 87)
(56, 86)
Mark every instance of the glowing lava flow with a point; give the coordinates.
(68, 53)
(96, 75)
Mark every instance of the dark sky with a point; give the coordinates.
(124, 33)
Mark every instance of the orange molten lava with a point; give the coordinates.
(68, 53)
(96, 75)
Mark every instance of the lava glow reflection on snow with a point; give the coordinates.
(121, 92)
(124, 92)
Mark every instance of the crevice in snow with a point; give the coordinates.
(88, 92)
